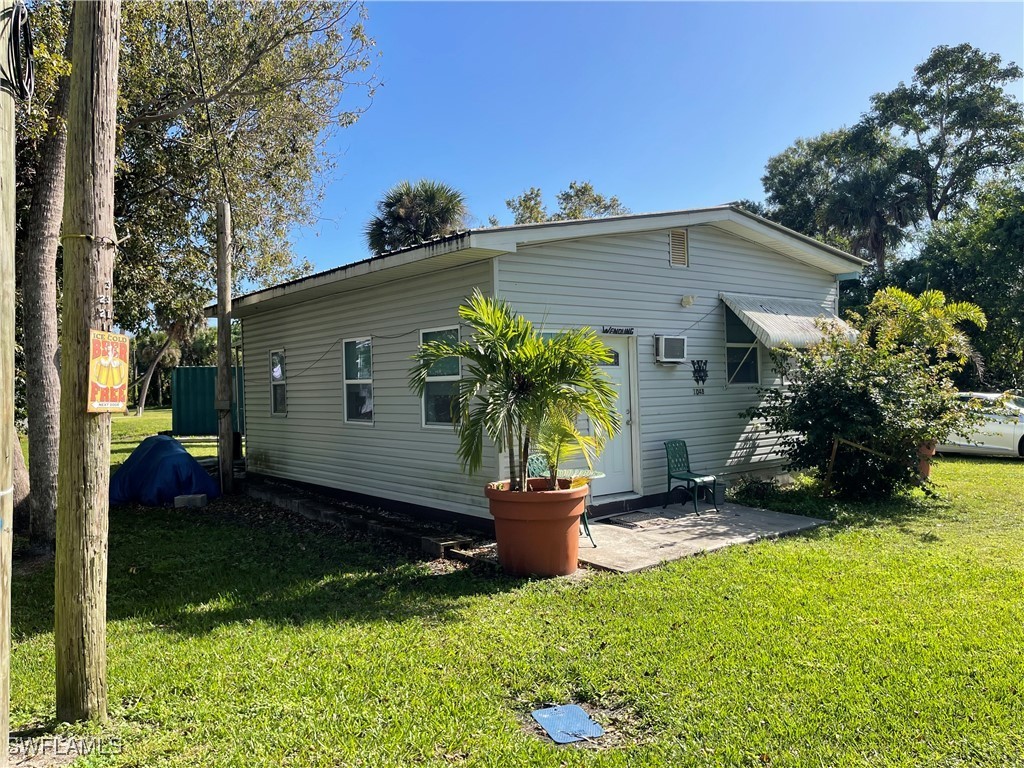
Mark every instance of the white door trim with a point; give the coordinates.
(634, 410)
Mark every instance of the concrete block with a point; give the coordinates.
(439, 546)
(190, 500)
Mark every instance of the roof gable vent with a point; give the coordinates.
(679, 250)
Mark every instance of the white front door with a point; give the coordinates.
(617, 460)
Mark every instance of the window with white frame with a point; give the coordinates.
(278, 384)
(742, 357)
(442, 387)
(359, 381)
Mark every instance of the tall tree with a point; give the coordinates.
(578, 201)
(960, 123)
(846, 188)
(977, 255)
(84, 463)
(412, 213)
(279, 72)
(39, 291)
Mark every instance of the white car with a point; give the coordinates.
(1002, 433)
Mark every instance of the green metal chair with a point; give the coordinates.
(537, 466)
(679, 469)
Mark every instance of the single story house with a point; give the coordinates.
(689, 301)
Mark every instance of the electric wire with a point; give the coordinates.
(20, 62)
(206, 102)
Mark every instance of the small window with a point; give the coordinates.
(742, 357)
(359, 381)
(441, 392)
(278, 384)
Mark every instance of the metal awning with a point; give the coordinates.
(775, 320)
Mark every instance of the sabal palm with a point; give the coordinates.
(410, 214)
(513, 378)
(872, 201)
(927, 321)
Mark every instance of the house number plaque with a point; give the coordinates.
(700, 375)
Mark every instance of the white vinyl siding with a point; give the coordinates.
(621, 280)
(397, 459)
(629, 280)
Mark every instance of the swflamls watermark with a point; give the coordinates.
(65, 746)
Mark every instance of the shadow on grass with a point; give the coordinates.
(238, 560)
(806, 498)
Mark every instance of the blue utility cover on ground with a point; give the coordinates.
(567, 723)
(157, 471)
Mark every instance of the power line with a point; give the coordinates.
(206, 102)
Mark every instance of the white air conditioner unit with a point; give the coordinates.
(670, 349)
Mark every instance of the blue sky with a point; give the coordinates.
(666, 105)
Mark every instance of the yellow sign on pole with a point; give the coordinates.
(108, 372)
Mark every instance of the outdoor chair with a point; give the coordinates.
(537, 466)
(679, 469)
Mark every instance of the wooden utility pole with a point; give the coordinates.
(7, 434)
(89, 241)
(225, 432)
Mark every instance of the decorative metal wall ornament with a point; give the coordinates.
(700, 370)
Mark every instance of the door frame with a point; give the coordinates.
(634, 410)
(632, 375)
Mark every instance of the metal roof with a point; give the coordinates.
(488, 242)
(776, 321)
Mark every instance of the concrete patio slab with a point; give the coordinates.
(649, 537)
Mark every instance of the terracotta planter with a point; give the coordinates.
(925, 452)
(538, 532)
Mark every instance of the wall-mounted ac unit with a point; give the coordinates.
(670, 349)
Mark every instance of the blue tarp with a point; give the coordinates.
(157, 471)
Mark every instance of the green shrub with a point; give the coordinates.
(890, 401)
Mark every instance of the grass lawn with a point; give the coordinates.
(129, 430)
(239, 636)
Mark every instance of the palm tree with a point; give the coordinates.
(872, 201)
(926, 321)
(515, 379)
(410, 214)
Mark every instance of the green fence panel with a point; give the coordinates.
(193, 400)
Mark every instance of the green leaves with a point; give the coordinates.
(515, 381)
(579, 201)
(410, 214)
(958, 121)
(885, 391)
(926, 322)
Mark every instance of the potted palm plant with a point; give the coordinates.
(521, 389)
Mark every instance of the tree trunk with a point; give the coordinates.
(140, 407)
(80, 614)
(39, 289)
(7, 230)
(225, 430)
(22, 513)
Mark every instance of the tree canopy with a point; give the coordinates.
(928, 186)
(412, 213)
(921, 150)
(579, 201)
(279, 77)
(958, 122)
(977, 255)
